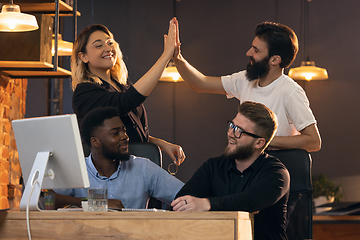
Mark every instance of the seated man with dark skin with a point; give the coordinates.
(244, 178)
(130, 180)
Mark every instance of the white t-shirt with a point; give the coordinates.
(283, 96)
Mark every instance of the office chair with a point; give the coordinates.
(300, 206)
(152, 152)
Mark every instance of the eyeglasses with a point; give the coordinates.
(238, 131)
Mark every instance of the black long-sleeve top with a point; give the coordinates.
(88, 96)
(263, 187)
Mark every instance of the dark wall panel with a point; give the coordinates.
(215, 36)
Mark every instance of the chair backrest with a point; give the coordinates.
(146, 150)
(152, 152)
(300, 209)
(298, 162)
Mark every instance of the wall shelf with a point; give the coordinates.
(39, 69)
(30, 69)
(43, 6)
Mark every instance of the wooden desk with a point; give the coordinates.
(336, 227)
(128, 225)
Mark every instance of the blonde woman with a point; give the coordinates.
(99, 79)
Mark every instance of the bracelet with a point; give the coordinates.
(176, 169)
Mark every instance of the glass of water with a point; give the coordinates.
(97, 199)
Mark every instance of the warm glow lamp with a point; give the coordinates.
(64, 47)
(308, 71)
(12, 20)
(171, 74)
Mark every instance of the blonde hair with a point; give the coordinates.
(79, 70)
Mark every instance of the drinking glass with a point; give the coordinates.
(97, 199)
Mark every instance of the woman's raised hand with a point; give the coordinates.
(170, 40)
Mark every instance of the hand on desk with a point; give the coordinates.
(189, 203)
(115, 204)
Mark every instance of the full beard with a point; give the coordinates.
(115, 156)
(257, 69)
(240, 152)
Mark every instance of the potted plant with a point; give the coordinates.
(324, 191)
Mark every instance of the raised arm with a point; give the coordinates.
(195, 79)
(147, 82)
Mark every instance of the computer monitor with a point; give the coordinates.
(51, 155)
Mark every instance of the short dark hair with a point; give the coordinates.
(94, 119)
(264, 119)
(281, 40)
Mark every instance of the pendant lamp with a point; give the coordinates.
(307, 71)
(64, 47)
(12, 20)
(171, 74)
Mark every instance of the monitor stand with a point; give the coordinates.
(34, 183)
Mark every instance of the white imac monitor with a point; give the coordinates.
(51, 155)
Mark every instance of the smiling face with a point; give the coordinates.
(113, 139)
(258, 51)
(244, 147)
(100, 52)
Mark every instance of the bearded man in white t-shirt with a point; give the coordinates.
(274, 48)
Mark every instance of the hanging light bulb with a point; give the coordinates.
(64, 47)
(308, 71)
(12, 20)
(171, 74)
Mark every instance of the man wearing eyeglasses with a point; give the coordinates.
(244, 178)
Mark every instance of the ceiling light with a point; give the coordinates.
(171, 74)
(308, 71)
(64, 47)
(12, 20)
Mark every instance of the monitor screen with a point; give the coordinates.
(54, 143)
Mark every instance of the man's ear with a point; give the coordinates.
(83, 57)
(95, 142)
(275, 60)
(259, 143)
